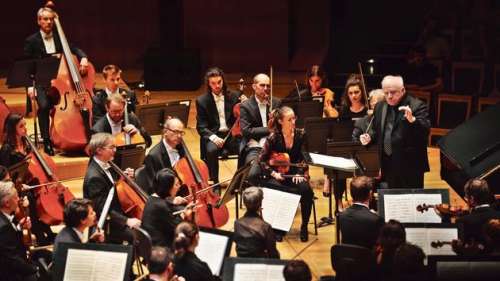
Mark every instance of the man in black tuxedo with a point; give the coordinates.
(14, 264)
(98, 181)
(168, 151)
(401, 128)
(113, 122)
(214, 120)
(254, 116)
(78, 215)
(479, 198)
(112, 78)
(358, 224)
(44, 43)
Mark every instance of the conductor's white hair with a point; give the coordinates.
(394, 81)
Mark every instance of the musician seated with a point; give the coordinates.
(15, 149)
(358, 224)
(168, 151)
(253, 236)
(112, 79)
(186, 263)
(285, 138)
(254, 116)
(113, 121)
(297, 270)
(408, 264)
(161, 266)
(479, 198)
(391, 236)
(215, 120)
(98, 181)
(316, 80)
(14, 264)
(78, 216)
(158, 218)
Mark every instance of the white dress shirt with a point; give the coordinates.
(109, 93)
(116, 128)
(79, 234)
(105, 167)
(11, 218)
(48, 42)
(173, 154)
(219, 104)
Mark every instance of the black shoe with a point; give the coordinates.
(304, 234)
(47, 147)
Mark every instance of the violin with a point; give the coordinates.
(125, 138)
(445, 209)
(235, 130)
(29, 239)
(73, 94)
(131, 196)
(281, 162)
(51, 195)
(194, 174)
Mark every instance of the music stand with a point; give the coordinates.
(305, 109)
(130, 156)
(230, 265)
(213, 247)
(18, 171)
(153, 116)
(235, 187)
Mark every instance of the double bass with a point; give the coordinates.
(72, 115)
(51, 195)
(194, 174)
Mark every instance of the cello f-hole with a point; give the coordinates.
(62, 108)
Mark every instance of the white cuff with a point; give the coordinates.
(212, 137)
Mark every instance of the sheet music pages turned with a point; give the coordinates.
(94, 265)
(279, 208)
(403, 207)
(258, 272)
(211, 249)
(333, 162)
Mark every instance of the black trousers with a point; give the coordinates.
(213, 152)
(398, 176)
(45, 104)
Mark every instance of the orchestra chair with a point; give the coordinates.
(144, 180)
(467, 78)
(424, 96)
(484, 102)
(143, 246)
(453, 110)
(352, 262)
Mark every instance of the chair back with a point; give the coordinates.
(352, 262)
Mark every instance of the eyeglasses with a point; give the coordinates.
(177, 132)
(112, 147)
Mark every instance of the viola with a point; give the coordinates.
(194, 174)
(235, 130)
(125, 138)
(281, 162)
(131, 196)
(29, 239)
(445, 209)
(51, 195)
(71, 120)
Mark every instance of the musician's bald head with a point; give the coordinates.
(394, 90)
(173, 131)
(262, 86)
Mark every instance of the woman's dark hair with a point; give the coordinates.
(391, 236)
(9, 129)
(276, 115)
(297, 270)
(215, 72)
(75, 211)
(316, 70)
(163, 182)
(353, 80)
(185, 234)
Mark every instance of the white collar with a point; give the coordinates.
(46, 36)
(218, 97)
(105, 166)
(78, 233)
(481, 206)
(108, 91)
(168, 147)
(261, 103)
(9, 217)
(361, 204)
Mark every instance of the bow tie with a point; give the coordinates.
(218, 98)
(106, 166)
(48, 36)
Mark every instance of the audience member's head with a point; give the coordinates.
(477, 192)
(252, 198)
(408, 262)
(161, 263)
(297, 270)
(391, 236)
(361, 188)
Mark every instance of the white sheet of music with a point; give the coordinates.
(93, 265)
(211, 249)
(333, 162)
(279, 208)
(403, 207)
(258, 272)
(423, 237)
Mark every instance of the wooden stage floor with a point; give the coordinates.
(316, 252)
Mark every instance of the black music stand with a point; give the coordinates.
(230, 265)
(235, 187)
(130, 156)
(33, 73)
(153, 115)
(305, 109)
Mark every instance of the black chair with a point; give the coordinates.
(144, 180)
(142, 248)
(467, 78)
(453, 110)
(352, 263)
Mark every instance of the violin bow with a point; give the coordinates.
(271, 85)
(298, 91)
(364, 86)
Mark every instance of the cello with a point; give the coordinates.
(194, 174)
(72, 115)
(51, 195)
(125, 138)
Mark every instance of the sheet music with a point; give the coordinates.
(258, 272)
(333, 162)
(93, 265)
(403, 207)
(279, 208)
(211, 249)
(423, 237)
